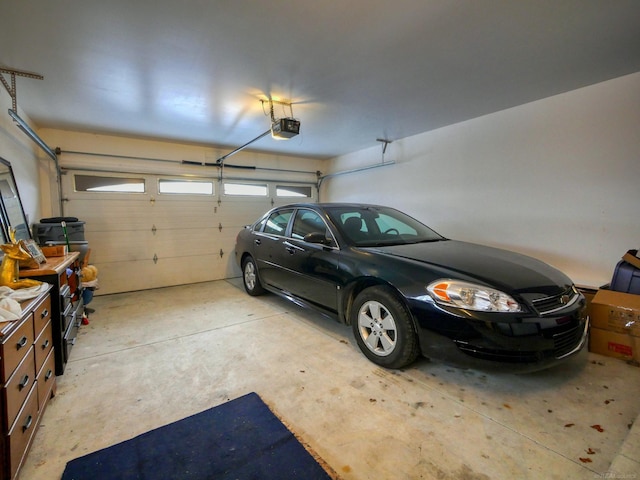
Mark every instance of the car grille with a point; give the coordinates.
(566, 342)
(497, 355)
(548, 305)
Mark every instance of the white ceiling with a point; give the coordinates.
(355, 70)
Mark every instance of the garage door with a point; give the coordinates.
(150, 231)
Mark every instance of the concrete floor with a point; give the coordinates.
(149, 358)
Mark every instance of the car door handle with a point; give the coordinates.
(257, 241)
(291, 248)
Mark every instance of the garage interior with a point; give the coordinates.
(510, 124)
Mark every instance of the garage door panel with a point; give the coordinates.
(181, 242)
(116, 277)
(183, 214)
(136, 223)
(228, 237)
(131, 245)
(238, 214)
(136, 218)
(188, 202)
(111, 215)
(180, 221)
(190, 269)
(119, 246)
(116, 203)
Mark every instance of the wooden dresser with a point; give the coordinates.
(66, 301)
(27, 372)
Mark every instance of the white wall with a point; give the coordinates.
(22, 153)
(558, 179)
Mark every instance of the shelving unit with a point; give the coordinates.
(63, 273)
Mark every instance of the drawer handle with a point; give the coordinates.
(24, 382)
(27, 424)
(48, 375)
(44, 314)
(45, 345)
(23, 341)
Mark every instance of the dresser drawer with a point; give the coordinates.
(41, 316)
(15, 347)
(17, 388)
(46, 381)
(43, 345)
(22, 430)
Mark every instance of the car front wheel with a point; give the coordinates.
(250, 277)
(383, 328)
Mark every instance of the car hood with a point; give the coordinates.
(492, 266)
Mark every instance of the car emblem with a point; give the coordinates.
(564, 299)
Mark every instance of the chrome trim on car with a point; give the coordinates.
(564, 300)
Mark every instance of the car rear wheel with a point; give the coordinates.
(250, 277)
(383, 328)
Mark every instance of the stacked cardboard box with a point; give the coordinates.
(54, 251)
(615, 321)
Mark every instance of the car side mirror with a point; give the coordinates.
(316, 237)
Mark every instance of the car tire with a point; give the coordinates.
(383, 328)
(250, 277)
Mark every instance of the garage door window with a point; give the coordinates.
(192, 187)
(293, 191)
(246, 189)
(94, 183)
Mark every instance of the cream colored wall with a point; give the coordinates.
(558, 179)
(23, 155)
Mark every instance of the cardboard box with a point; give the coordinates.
(616, 311)
(632, 257)
(54, 251)
(612, 344)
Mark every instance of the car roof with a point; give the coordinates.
(332, 205)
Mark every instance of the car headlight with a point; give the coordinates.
(471, 296)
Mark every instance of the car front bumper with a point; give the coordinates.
(518, 345)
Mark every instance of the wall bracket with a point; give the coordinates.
(13, 92)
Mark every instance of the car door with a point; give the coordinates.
(269, 247)
(310, 270)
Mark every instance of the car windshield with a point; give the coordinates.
(371, 226)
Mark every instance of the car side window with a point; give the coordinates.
(306, 222)
(277, 222)
(260, 225)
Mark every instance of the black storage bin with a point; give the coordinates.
(52, 232)
(626, 278)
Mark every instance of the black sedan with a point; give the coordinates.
(406, 290)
